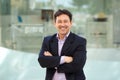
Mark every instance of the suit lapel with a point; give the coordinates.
(67, 43)
(54, 45)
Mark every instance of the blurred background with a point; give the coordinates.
(24, 24)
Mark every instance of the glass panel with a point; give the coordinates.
(30, 12)
(29, 35)
(116, 23)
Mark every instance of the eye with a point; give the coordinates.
(59, 21)
(65, 21)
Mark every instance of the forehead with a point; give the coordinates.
(62, 17)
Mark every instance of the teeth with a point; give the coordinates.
(63, 28)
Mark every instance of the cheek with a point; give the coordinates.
(57, 27)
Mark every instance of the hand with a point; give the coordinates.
(46, 53)
(68, 59)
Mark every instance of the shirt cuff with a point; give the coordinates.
(62, 60)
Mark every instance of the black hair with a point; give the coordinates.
(64, 11)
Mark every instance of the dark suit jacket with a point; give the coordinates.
(74, 46)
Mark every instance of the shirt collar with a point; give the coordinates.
(65, 35)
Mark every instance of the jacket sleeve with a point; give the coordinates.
(47, 61)
(79, 59)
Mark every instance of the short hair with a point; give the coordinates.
(64, 11)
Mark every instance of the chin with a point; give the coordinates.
(63, 33)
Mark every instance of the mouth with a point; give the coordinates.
(63, 27)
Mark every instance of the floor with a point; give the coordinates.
(102, 64)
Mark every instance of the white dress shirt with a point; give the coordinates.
(60, 76)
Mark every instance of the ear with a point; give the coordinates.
(71, 23)
(54, 23)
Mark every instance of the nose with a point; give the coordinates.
(63, 24)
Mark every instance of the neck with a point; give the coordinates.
(62, 36)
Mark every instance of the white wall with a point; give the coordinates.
(0, 30)
(0, 36)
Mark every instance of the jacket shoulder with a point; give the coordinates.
(49, 38)
(80, 38)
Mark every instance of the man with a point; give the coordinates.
(64, 53)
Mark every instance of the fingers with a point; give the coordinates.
(46, 53)
(68, 59)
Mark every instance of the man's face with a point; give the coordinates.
(63, 24)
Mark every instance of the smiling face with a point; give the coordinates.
(63, 24)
